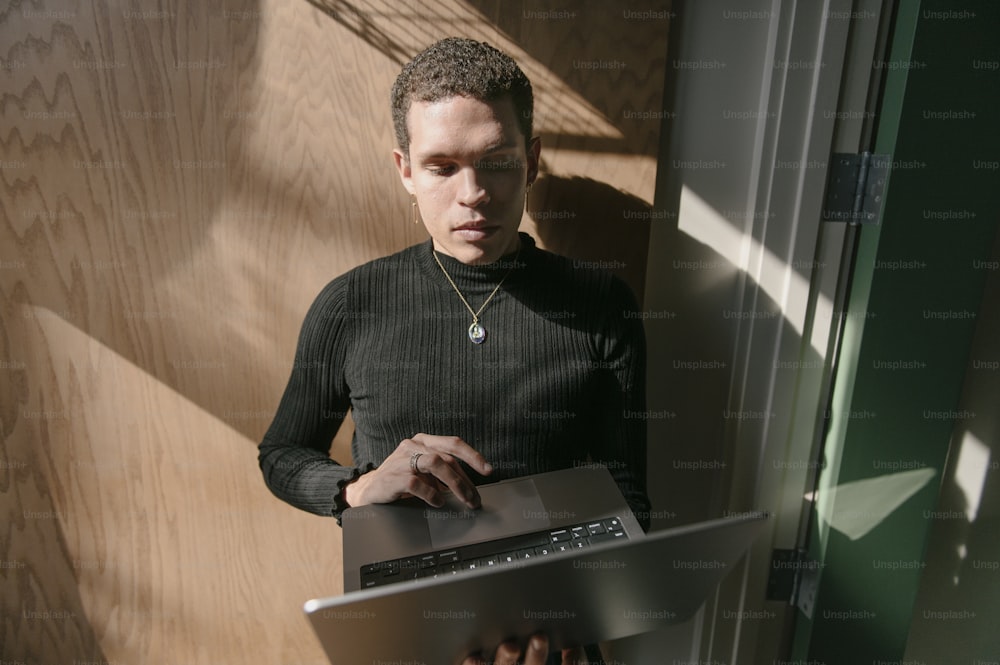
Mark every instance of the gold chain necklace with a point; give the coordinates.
(477, 333)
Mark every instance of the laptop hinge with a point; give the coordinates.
(793, 579)
(856, 187)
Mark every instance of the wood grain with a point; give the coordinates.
(178, 181)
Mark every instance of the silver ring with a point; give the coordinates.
(413, 462)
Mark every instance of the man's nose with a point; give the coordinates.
(472, 192)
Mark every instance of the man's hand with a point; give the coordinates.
(536, 654)
(422, 467)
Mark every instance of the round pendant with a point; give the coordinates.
(477, 333)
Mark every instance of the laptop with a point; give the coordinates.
(604, 583)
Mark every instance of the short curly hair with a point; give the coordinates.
(460, 67)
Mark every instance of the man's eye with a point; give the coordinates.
(442, 170)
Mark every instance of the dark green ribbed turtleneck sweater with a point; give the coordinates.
(558, 382)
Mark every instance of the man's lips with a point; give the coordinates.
(475, 230)
(474, 226)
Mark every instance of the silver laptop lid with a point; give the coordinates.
(605, 592)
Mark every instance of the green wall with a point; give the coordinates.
(917, 290)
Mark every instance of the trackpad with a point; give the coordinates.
(508, 509)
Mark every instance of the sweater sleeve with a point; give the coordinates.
(621, 446)
(294, 455)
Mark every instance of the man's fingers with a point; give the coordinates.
(441, 462)
(447, 470)
(435, 459)
(538, 650)
(507, 654)
(458, 448)
(575, 656)
(425, 490)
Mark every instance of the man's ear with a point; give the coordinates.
(403, 166)
(534, 155)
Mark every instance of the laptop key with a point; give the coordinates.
(601, 538)
(613, 524)
(560, 536)
(579, 532)
(596, 529)
(448, 557)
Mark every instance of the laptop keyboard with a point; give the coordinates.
(502, 552)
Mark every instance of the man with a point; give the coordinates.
(475, 356)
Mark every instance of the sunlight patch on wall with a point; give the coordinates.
(855, 508)
(782, 282)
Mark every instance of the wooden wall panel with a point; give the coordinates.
(178, 181)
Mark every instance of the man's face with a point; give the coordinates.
(468, 168)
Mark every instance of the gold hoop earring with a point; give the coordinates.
(413, 207)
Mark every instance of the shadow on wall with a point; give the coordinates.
(963, 551)
(603, 60)
(360, 23)
(594, 222)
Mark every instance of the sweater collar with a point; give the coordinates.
(476, 278)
